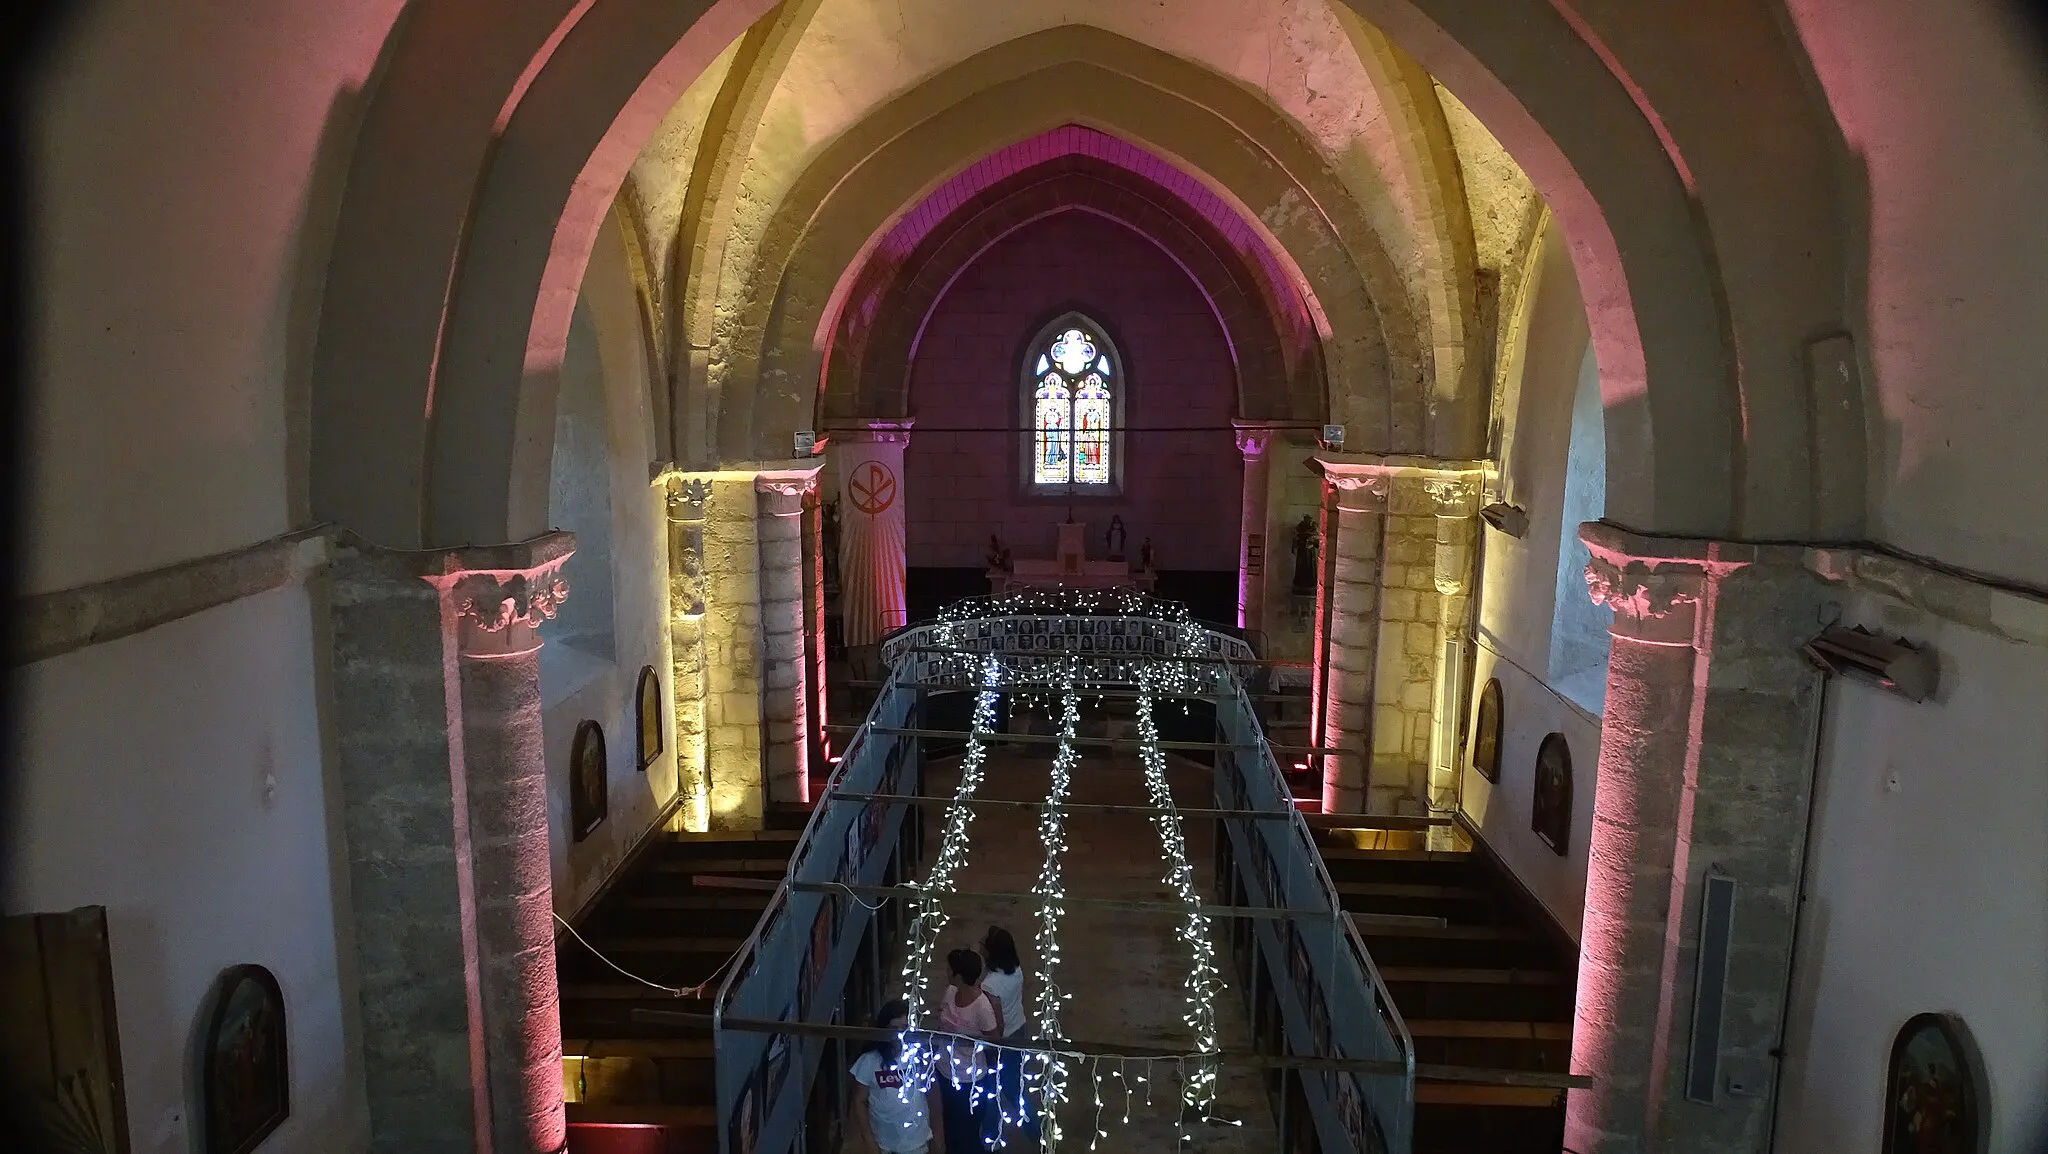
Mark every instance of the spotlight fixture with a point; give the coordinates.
(1898, 665)
(1510, 519)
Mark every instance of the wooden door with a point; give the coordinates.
(60, 1053)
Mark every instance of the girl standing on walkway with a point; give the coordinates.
(893, 1116)
(973, 1121)
(1004, 982)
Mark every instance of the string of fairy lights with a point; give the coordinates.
(1047, 1064)
(930, 916)
(1198, 1088)
(1051, 1072)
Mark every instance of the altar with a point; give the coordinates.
(1070, 568)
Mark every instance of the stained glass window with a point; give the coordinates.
(1073, 410)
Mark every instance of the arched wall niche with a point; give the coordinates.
(1275, 348)
(427, 424)
(858, 189)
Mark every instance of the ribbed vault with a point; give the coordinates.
(881, 169)
(1269, 326)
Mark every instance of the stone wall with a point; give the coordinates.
(1180, 489)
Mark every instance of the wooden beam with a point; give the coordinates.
(1469, 1075)
(1069, 806)
(1052, 739)
(1119, 694)
(1127, 658)
(1153, 905)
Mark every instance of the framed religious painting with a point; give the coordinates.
(647, 718)
(588, 788)
(1935, 1092)
(1550, 814)
(1486, 732)
(245, 1077)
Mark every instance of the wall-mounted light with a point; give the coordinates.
(1510, 519)
(1898, 665)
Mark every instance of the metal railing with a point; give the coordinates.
(780, 973)
(1338, 1005)
(1385, 1116)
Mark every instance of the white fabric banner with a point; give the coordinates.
(871, 541)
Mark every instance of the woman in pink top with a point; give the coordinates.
(973, 1116)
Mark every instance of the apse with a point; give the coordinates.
(956, 319)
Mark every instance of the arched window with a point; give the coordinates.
(1072, 404)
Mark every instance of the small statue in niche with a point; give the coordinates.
(1145, 556)
(998, 555)
(1305, 550)
(1114, 538)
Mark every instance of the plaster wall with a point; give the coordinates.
(194, 808)
(1539, 381)
(188, 165)
(1521, 585)
(1183, 490)
(593, 653)
(1927, 889)
(1531, 710)
(1579, 641)
(1947, 129)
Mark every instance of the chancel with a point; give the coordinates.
(1070, 567)
(1397, 576)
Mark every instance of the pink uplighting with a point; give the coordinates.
(888, 255)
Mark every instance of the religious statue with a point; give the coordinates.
(1305, 549)
(1114, 538)
(1145, 556)
(998, 555)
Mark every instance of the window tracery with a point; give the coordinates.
(1072, 406)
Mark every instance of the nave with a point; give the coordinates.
(1121, 814)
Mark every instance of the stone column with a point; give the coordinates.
(1354, 601)
(813, 530)
(444, 795)
(1705, 764)
(1253, 439)
(1456, 500)
(687, 497)
(785, 752)
(872, 560)
(1319, 639)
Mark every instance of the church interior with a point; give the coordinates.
(1452, 572)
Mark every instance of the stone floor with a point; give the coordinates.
(1122, 970)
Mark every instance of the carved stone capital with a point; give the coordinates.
(1360, 491)
(890, 430)
(498, 612)
(1651, 602)
(1456, 496)
(1660, 588)
(687, 497)
(782, 491)
(1253, 438)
